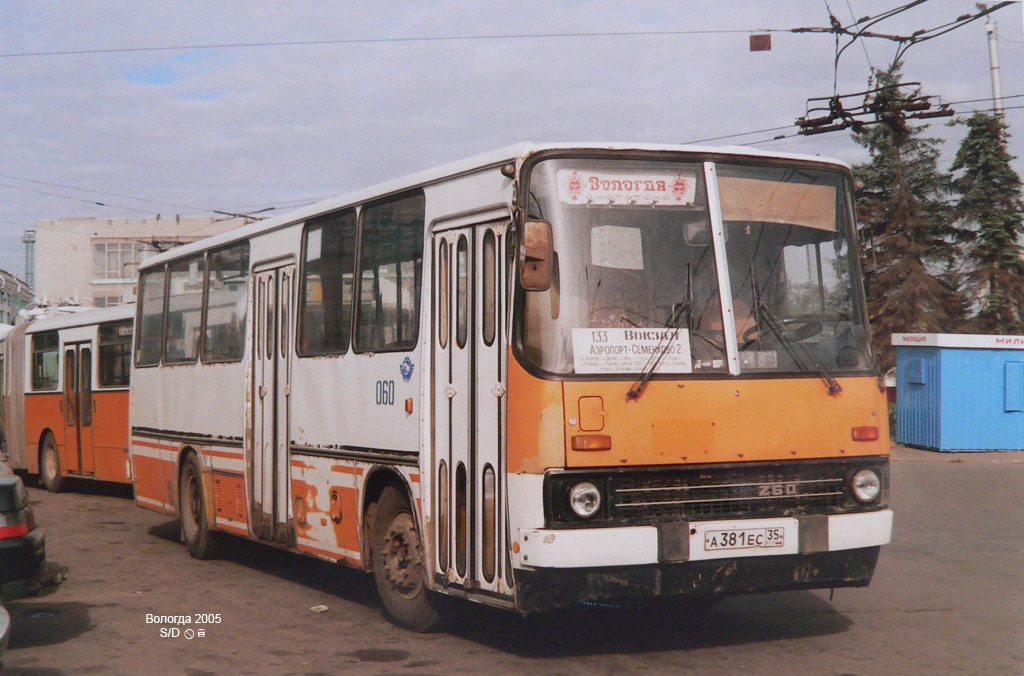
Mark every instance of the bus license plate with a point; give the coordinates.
(744, 538)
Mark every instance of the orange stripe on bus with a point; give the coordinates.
(346, 469)
(415, 478)
(225, 454)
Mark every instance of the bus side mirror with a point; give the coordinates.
(535, 255)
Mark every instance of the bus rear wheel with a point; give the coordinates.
(49, 466)
(399, 567)
(192, 507)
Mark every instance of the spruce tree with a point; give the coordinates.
(906, 225)
(989, 205)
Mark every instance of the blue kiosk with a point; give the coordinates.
(959, 392)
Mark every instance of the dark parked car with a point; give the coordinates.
(5, 633)
(22, 545)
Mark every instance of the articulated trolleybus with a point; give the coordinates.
(547, 375)
(64, 382)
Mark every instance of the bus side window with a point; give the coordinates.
(45, 351)
(115, 347)
(325, 297)
(461, 292)
(184, 310)
(489, 283)
(442, 297)
(226, 304)
(390, 271)
(151, 318)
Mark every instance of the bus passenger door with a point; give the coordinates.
(77, 408)
(468, 352)
(273, 299)
(69, 405)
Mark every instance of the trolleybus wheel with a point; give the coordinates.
(399, 567)
(192, 505)
(49, 466)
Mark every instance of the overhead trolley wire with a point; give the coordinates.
(219, 212)
(369, 41)
(75, 199)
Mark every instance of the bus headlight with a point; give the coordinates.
(585, 499)
(866, 486)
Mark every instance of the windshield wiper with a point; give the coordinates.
(659, 350)
(800, 353)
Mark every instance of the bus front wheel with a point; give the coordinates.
(399, 567)
(49, 466)
(192, 506)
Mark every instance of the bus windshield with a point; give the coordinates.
(637, 282)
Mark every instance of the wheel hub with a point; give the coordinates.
(191, 515)
(403, 563)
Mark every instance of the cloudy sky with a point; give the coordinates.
(140, 106)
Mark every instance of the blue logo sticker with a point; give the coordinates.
(407, 368)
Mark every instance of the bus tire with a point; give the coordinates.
(399, 568)
(195, 532)
(49, 465)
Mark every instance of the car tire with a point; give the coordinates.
(49, 465)
(195, 532)
(400, 569)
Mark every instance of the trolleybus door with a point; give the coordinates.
(468, 348)
(273, 298)
(77, 407)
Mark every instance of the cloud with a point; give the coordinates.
(227, 128)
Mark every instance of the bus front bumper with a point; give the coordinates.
(561, 567)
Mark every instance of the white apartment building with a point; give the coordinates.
(95, 260)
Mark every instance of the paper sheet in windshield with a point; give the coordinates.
(631, 350)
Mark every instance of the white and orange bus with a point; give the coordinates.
(546, 375)
(64, 383)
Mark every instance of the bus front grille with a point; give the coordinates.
(732, 491)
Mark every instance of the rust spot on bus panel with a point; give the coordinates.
(346, 527)
(305, 498)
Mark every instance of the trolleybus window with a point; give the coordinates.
(226, 304)
(115, 348)
(70, 398)
(85, 386)
(184, 310)
(390, 265)
(45, 352)
(151, 318)
(325, 312)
